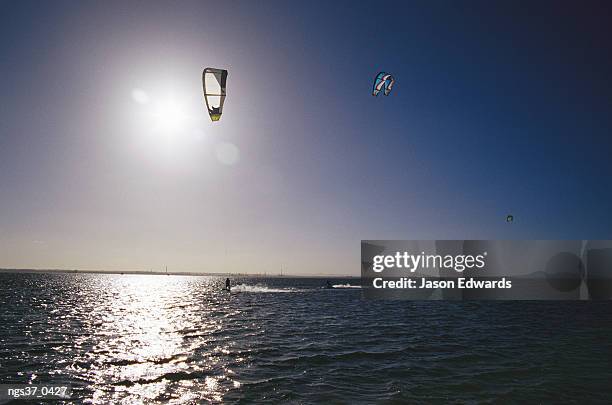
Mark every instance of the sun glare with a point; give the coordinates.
(167, 124)
(169, 117)
(140, 96)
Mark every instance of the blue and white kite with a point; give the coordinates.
(384, 81)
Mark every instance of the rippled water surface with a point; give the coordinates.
(173, 339)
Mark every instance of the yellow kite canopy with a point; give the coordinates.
(214, 81)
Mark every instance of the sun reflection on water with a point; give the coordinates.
(158, 339)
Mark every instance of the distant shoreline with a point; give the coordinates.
(173, 273)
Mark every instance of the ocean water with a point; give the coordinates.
(178, 339)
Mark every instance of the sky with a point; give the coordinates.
(109, 161)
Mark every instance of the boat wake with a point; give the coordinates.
(346, 286)
(261, 288)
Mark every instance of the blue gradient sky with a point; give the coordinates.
(498, 108)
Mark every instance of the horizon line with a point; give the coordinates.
(176, 273)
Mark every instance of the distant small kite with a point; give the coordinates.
(510, 218)
(214, 82)
(384, 81)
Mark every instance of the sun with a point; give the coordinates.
(169, 117)
(165, 118)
